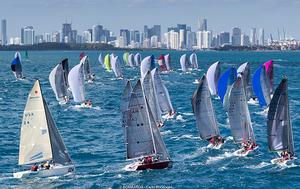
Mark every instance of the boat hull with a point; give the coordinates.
(157, 165)
(53, 171)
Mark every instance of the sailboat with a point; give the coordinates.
(147, 64)
(213, 75)
(115, 65)
(162, 94)
(205, 115)
(194, 60)
(151, 97)
(107, 63)
(184, 63)
(16, 66)
(88, 75)
(168, 62)
(261, 86)
(144, 143)
(59, 81)
(76, 82)
(239, 119)
(244, 70)
(125, 58)
(161, 63)
(225, 84)
(280, 134)
(137, 59)
(131, 60)
(101, 60)
(40, 141)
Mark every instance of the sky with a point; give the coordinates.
(222, 15)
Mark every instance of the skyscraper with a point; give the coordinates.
(261, 37)
(28, 35)
(236, 37)
(66, 32)
(202, 24)
(204, 39)
(97, 33)
(149, 32)
(3, 32)
(224, 38)
(22, 35)
(253, 38)
(126, 36)
(245, 40)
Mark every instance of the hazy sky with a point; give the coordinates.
(222, 15)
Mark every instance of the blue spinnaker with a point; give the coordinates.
(257, 88)
(226, 79)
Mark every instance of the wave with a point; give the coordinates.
(185, 137)
(167, 132)
(188, 113)
(263, 113)
(197, 153)
(258, 166)
(180, 118)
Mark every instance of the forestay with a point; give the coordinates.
(204, 112)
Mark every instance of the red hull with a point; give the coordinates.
(157, 165)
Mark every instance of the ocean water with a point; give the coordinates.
(95, 139)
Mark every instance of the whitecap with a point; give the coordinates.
(180, 118)
(167, 132)
(185, 137)
(258, 166)
(220, 157)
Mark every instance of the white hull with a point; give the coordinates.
(279, 161)
(243, 153)
(58, 170)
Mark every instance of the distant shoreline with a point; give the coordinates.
(107, 47)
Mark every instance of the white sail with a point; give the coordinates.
(76, 82)
(131, 60)
(194, 60)
(17, 54)
(239, 115)
(168, 61)
(58, 83)
(139, 137)
(40, 139)
(86, 68)
(115, 65)
(244, 70)
(146, 66)
(213, 75)
(162, 93)
(183, 63)
(137, 59)
(151, 97)
(101, 60)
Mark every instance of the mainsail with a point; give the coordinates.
(76, 82)
(115, 65)
(168, 61)
(16, 66)
(151, 97)
(101, 60)
(162, 93)
(244, 70)
(261, 86)
(194, 60)
(139, 137)
(280, 135)
(131, 60)
(40, 140)
(238, 114)
(204, 111)
(65, 68)
(86, 68)
(147, 65)
(213, 75)
(137, 59)
(58, 83)
(184, 63)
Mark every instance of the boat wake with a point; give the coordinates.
(185, 137)
(180, 118)
(253, 102)
(167, 132)
(226, 155)
(197, 153)
(259, 166)
(79, 108)
(263, 113)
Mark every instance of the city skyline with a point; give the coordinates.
(222, 15)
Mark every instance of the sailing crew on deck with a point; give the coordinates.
(34, 167)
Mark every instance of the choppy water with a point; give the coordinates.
(94, 137)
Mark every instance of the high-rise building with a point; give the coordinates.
(97, 33)
(245, 41)
(174, 40)
(3, 32)
(253, 38)
(204, 39)
(182, 38)
(261, 37)
(38, 39)
(154, 41)
(28, 35)
(224, 38)
(126, 35)
(202, 24)
(86, 37)
(47, 37)
(184, 28)
(55, 38)
(215, 41)
(149, 32)
(236, 37)
(22, 35)
(66, 33)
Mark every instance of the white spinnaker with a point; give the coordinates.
(194, 60)
(115, 65)
(76, 82)
(213, 75)
(145, 66)
(183, 63)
